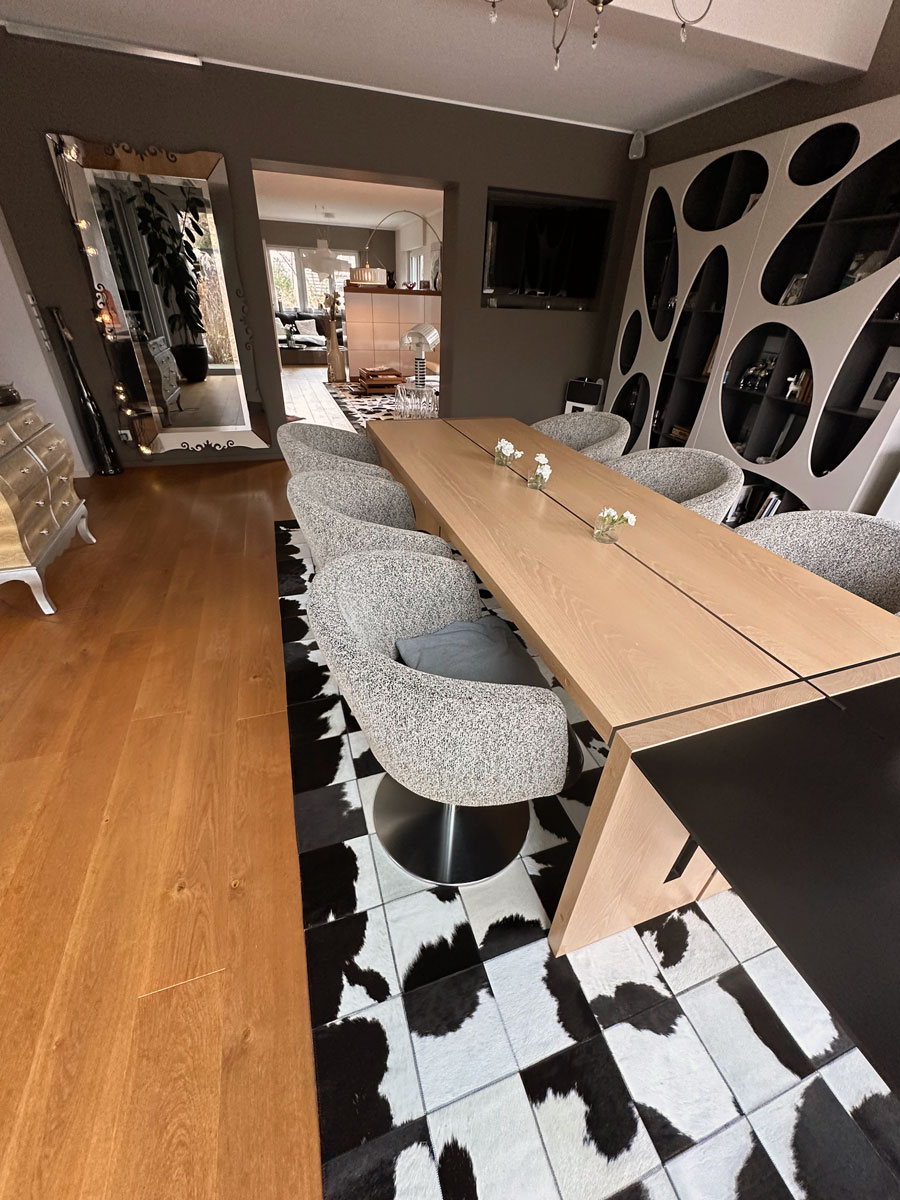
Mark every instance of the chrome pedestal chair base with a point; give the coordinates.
(447, 843)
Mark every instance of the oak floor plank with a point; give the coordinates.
(41, 901)
(167, 1138)
(265, 993)
(67, 1115)
(24, 790)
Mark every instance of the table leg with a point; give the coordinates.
(632, 863)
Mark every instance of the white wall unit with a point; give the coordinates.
(829, 327)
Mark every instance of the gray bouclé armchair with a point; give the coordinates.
(309, 447)
(855, 551)
(461, 757)
(601, 436)
(342, 512)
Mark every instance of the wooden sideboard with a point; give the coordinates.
(40, 510)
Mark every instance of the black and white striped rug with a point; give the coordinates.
(456, 1059)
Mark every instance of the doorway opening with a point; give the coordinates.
(353, 266)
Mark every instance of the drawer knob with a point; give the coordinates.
(2, 441)
(24, 470)
(63, 479)
(40, 503)
(45, 532)
(65, 503)
(30, 421)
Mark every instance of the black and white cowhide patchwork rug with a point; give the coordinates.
(358, 408)
(456, 1059)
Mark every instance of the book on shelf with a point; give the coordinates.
(737, 510)
(769, 505)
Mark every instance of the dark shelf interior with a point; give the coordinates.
(856, 220)
(765, 425)
(631, 340)
(660, 263)
(686, 371)
(722, 192)
(632, 403)
(823, 154)
(842, 425)
(759, 494)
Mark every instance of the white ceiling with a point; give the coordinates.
(641, 77)
(291, 197)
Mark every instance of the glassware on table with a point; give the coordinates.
(416, 402)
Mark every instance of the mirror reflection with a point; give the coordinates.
(151, 241)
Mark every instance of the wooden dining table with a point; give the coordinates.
(678, 629)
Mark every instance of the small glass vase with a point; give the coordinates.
(501, 459)
(536, 481)
(604, 534)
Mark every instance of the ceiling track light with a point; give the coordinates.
(558, 7)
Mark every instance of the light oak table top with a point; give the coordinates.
(624, 642)
(802, 620)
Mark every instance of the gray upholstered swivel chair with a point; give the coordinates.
(342, 512)
(705, 482)
(857, 552)
(461, 757)
(602, 436)
(309, 447)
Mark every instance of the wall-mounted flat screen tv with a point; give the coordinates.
(543, 251)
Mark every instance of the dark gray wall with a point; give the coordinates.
(340, 237)
(494, 361)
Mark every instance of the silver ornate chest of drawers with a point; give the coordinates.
(39, 508)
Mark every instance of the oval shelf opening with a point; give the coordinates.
(632, 403)
(823, 154)
(766, 393)
(691, 354)
(725, 190)
(631, 340)
(660, 263)
(864, 386)
(848, 234)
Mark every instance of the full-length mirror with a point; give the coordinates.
(163, 273)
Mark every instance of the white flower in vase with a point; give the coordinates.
(608, 521)
(542, 472)
(504, 451)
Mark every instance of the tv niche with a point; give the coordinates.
(543, 251)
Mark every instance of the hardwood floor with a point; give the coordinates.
(153, 1003)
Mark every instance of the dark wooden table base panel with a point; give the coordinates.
(800, 810)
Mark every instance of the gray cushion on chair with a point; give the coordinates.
(486, 651)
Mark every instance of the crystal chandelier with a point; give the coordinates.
(561, 29)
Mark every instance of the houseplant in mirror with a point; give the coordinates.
(171, 230)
